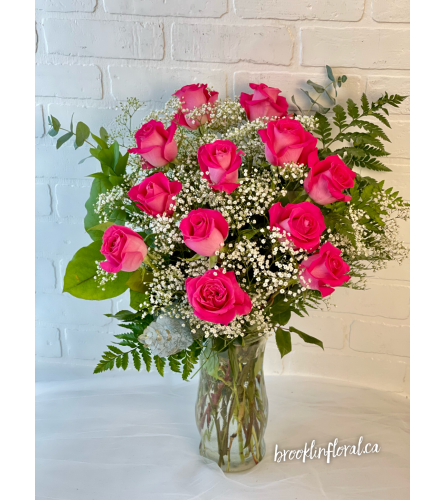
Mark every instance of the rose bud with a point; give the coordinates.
(154, 195)
(327, 179)
(204, 230)
(287, 142)
(324, 270)
(221, 160)
(156, 144)
(123, 248)
(191, 97)
(217, 297)
(264, 101)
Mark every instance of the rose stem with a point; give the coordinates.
(232, 437)
(256, 444)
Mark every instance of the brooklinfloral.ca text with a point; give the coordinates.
(331, 451)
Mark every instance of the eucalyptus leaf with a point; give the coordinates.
(82, 133)
(87, 158)
(296, 105)
(307, 93)
(322, 109)
(330, 73)
(318, 88)
(63, 139)
(55, 123)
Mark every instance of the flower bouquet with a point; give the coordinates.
(222, 218)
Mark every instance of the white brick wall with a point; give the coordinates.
(90, 54)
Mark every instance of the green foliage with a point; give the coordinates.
(101, 227)
(125, 315)
(139, 280)
(307, 338)
(322, 90)
(140, 354)
(323, 128)
(80, 276)
(174, 364)
(82, 133)
(160, 364)
(91, 218)
(136, 299)
(63, 139)
(113, 165)
(283, 340)
(189, 358)
(362, 148)
(54, 124)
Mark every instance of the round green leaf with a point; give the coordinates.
(79, 276)
(82, 133)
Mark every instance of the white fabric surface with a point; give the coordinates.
(132, 436)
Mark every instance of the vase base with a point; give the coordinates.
(235, 464)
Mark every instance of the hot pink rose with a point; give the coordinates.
(217, 297)
(327, 179)
(287, 141)
(191, 97)
(123, 248)
(265, 101)
(324, 269)
(221, 160)
(204, 230)
(156, 144)
(154, 195)
(304, 221)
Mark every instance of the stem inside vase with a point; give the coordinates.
(232, 407)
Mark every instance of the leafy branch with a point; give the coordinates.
(320, 90)
(364, 146)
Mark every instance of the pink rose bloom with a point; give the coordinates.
(304, 221)
(191, 97)
(204, 230)
(221, 160)
(327, 179)
(324, 269)
(217, 297)
(287, 141)
(264, 101)
(123, 248)
(156, 144)
(154, 195)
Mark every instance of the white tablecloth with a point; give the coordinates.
(132, 436)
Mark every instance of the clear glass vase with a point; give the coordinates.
(232, 407)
